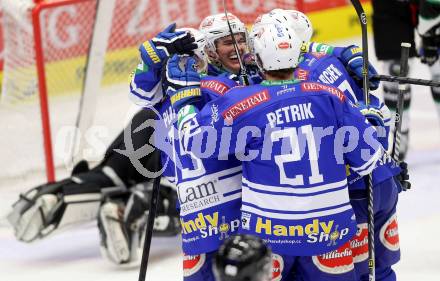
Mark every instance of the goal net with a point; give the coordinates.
(67, 63)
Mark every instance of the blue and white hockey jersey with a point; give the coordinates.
(291, 139)
(209, 190)
(330, 70)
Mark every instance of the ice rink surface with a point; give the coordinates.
(74, 254)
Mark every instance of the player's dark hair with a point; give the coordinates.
(286, 73)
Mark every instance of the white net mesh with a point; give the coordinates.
(66, 33)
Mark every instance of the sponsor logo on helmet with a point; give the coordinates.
(245, 105)
(359, 243)
(277, 267)
(280, 32)
(335, 262)
(230, 17)
(389, 234)
(283, 45)
(192, 264)
(207, 22)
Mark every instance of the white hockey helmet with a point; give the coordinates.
(301, 24)
(295, 19)
(275, 46)
(200, 39)
(216, 27)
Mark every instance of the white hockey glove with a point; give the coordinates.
(122, 223)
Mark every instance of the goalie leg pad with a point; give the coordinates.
(114, 239)
(52, 206)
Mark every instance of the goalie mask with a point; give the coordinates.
(275, 46)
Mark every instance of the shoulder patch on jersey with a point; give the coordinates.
(192, 264)
(301, 74)
(312, 86)
(245, 105)
(215, 86)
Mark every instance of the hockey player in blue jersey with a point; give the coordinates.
(274, 204)
(316, 66)
(209, 191)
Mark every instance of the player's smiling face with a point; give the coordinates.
(226, 51)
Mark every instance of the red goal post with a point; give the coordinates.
(48, 42)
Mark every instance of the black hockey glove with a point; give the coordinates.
(175, 42)
(403, 177)
(154, 52)
(430, 47)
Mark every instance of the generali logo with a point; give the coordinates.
(245, 105)
(215, 86)
(310, 87)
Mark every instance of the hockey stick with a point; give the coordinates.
(369, 180)
(151, 216)
(399, 109)
(407, 80)
(242, 73)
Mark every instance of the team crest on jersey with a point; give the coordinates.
(245, 105)
(214, 86)
(339, 261)
(389, 234)
(302, 74)
(359, 243)
(192, 264)
(277, 267)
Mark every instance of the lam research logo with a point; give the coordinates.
(198, 197)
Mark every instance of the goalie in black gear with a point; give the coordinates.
(114, 192)
(243, 258)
